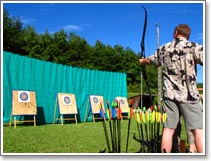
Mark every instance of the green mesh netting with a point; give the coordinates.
(47, 79)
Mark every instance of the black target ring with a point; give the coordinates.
(122, 101)
(95, 100)
(24, 96)
(67, 100)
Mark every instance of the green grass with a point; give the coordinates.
(54, 138)
(70, 138)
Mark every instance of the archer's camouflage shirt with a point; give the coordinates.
(178, 59)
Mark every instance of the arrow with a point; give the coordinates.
(130, 114)
(104, 126)
(110, 117)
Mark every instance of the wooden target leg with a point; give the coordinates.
(34, 121)
(75, 119)
(93, 117)
(14, 122)
(86, 111)
(54, 118)
(10, 119)
(61, 120)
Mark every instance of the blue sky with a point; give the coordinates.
(119, 23)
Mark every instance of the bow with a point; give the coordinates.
(157, 116)
(145, 143)
(143, 35)
(143, 56)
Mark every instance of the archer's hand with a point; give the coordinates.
(144, 61)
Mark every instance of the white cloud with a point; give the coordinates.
(76, 27)
(72, 27)
(46, 7)
(197, 37)
(26, 20)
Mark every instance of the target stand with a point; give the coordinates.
(94, 102)
(67, 107)
(23, 104)
(123, 105)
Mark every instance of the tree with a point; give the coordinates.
(78, 53)
(12, 33)
(31, 42)
(70, 49)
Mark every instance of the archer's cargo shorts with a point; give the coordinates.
(192, 114)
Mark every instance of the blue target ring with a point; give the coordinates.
(95, 100)
(122, 101)
(67, 100)
(24, 96)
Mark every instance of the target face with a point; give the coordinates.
(67, 103)
(23, 96)
(95, 100)
(67, 100)
(96, 103)
(122, 102)
(24, 102)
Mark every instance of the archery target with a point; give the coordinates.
(67, 103)
(67, 100)
(23, 96)
(95, 101)
(123, 104)
(24, 103)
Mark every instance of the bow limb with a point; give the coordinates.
(143, 56)
(143, 35)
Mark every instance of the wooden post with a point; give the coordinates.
(86, 110)
(34, 121)
(14, 122)
(76, 119)
(10, 119)
(160, 89)
(61, 118)
(54, 118)
(182, 146)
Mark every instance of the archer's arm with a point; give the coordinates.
(144, 61)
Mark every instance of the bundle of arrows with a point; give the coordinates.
(114, 115)
(149, 123)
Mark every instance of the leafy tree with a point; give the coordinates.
(46, 44)
(70, 49)
(78, 52)
(31, 42)
(12, 33)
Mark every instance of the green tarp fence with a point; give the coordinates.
(47, 79)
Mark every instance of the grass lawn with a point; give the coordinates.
(70, 138)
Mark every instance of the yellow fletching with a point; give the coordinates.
(164, 117)
(153, 116)
(157, 116)
(147, 116)
(138, 118)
